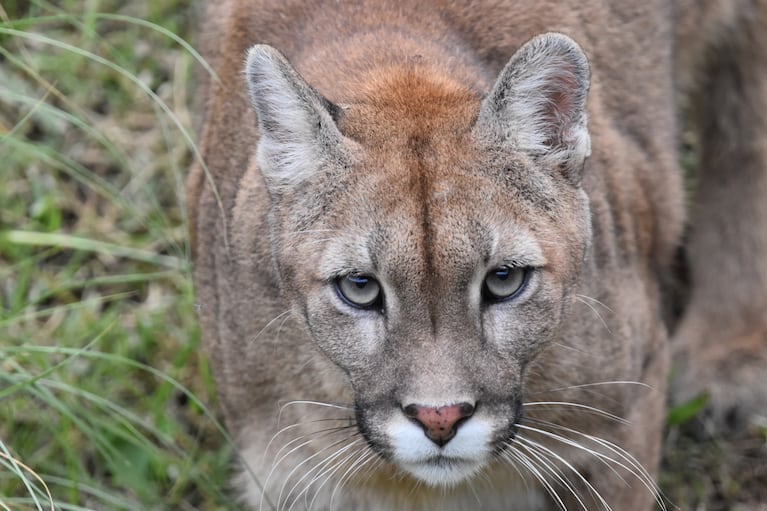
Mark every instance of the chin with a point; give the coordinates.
(443, 471)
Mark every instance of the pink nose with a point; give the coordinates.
(439, 424)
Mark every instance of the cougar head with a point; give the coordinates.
(430, 236)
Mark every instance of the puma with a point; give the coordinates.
(432, 241)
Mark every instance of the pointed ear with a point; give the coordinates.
(538, 103)
(297, 131)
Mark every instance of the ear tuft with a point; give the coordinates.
(538, 103)
(297, 132)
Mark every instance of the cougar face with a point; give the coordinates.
(449, 278)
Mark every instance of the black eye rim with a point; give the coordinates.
(375, 305)
(490, 298)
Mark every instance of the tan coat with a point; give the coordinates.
(419, 208)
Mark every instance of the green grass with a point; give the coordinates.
(105, 397)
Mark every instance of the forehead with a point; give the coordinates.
(423, 188)
(414, 131)
(431, 210)
(408, 105)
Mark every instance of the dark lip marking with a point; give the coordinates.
(446, 461)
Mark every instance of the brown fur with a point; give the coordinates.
(405, 153)
(721, 342)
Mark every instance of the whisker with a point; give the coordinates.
(531, 467)
(546, 464)
(316, 434)
(573, 348)
(297, 425)
(314, 403)
(516, 469)
(572, 443)
(329, 468)
(319, 468)
(415, 487)
(585, 297)
(362, 458)
(595, 311)
(310, 471)
(276, 462)
(592, 390)
(279, 329)
(521, 474)
(638, 471)
(616, 449)
(474, 492)
(371, 469)
(516, 457)
(592, 409)
(595, 384)
(635, 468)
(485, 478)
(543, 449)
(276, 318)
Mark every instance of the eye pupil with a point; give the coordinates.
(359, 291)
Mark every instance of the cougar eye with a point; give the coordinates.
(505, 282)
(359, 291)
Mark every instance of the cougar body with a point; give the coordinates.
(431, 240)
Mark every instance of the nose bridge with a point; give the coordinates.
(438, 369)
(436, 330)
(435, 309)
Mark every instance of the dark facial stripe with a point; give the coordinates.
(419, 146)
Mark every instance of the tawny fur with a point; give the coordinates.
(412, 82)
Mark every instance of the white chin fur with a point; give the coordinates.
(460, 459)
(442, 471)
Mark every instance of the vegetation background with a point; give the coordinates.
(106, 401)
